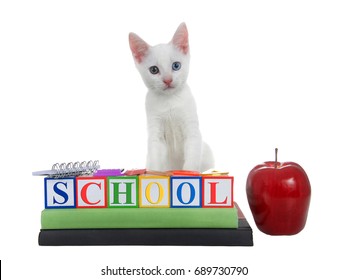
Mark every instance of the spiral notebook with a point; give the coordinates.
(77, 168)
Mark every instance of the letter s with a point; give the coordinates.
(60, 192)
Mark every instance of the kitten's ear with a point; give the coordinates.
(180, 38)
(138, 47)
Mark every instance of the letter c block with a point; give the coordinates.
(91, 192)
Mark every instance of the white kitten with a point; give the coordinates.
(174, 138)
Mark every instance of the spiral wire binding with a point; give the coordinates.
(75, 168)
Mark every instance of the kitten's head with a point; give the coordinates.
(164, 68)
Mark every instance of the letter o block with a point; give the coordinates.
(185, 191)
(154, 191)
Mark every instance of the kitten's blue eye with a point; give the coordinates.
(154, 70)
(176, 66)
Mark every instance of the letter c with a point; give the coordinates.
(84, 193)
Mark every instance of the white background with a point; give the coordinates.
(265, 74)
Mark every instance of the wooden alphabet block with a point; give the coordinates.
(91, 192)
(154, 191)
(60, 193)
(217, 191)
(123, 192)
(186, 191)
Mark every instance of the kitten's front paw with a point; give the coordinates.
(157, 166)
(190, 165)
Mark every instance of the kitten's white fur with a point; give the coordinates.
(174, 138)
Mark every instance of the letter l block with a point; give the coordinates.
(217, 191)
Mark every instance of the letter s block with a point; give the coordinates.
(154, 191)
(217, 191)
(60, 193)
(91, 192)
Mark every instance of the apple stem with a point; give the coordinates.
(276, 150)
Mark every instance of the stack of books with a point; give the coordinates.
(141, 207)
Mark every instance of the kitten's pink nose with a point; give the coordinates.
(167, 81)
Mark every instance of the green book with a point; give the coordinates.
(139, 218)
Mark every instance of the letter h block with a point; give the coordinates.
(217, 191)
(123, 192)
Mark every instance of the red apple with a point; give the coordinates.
(279, 197)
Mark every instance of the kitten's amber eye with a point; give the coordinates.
(154, 70)
(176, 66)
